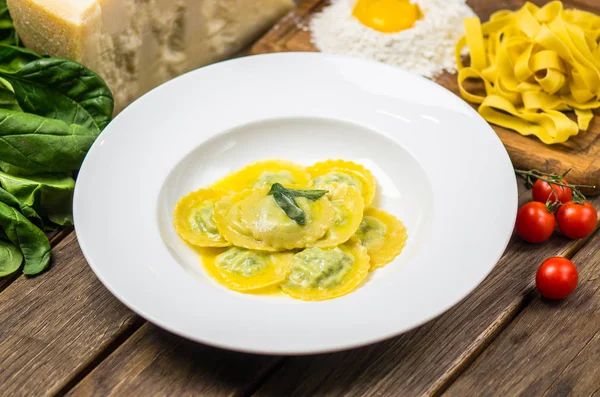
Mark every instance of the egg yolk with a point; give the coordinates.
(387, 16)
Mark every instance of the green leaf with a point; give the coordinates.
(30, 240)
(285, 200)
(9, 199)
(14, 58)
(6, 24)
(10, 258)
(64, 90)
(62, 218)
(289, 206)
(51, 195)
(8, 100)
(31, 144)
(8, 35)
(309, 194)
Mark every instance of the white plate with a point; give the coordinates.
(440, 168)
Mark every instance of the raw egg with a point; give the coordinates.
(387, 16)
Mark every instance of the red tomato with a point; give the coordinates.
(534, 223)
(556, 278)
(576, 220)
(543, 190)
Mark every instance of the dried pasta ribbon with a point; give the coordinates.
(535, 63)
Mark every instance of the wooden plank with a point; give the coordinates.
(582, 376)
(53, 326)
(426, 360)
(551, 348)
(580, 153)
(155, 363)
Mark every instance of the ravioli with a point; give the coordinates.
(193, 218)
(278, 228)
(328, 174)
(348, 206)
(383, 235)
(252, 219)
(265, 173)
(241, 269)
(326, 273)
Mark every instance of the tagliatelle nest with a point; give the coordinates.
(535, 63)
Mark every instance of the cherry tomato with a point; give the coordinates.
(534, 223)
(543, 190)
(556, 278)
(576, 220)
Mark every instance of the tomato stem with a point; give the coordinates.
(553, 179)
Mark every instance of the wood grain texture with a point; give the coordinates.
(580, 153)
(552, 348)
(53, 326)
(155, 363)
(428, 359)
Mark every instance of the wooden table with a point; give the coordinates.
(64, 333)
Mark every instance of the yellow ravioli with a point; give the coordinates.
(327, 174)
(383, 235)
(252, 219)
(193, 218)
(326, 273)
(241, 269)
(348, 205)
(265, 173)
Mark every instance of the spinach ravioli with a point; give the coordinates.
(348, 206)
(241, 269)
(276, 227)
(326, 273)
(383, 235)
(193, 218)
(330, 173)
(265, 173)
(252, 219)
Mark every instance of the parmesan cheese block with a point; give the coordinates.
(136, 45)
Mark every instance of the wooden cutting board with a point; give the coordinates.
(581, 154)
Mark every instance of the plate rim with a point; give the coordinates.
(157, 321)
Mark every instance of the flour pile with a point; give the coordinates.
(426, 49)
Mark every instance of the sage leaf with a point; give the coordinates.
(50, 195)
(30, 240)
(284, 198)
(309, 194)
(64, 90)
(291, 209)
(10, 258)
(31, 144)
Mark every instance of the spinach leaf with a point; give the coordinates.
(8, 100)
(9, 199)
(64, 90)
(30, 240)
(8, 34)
(285, 200)
(10, 258)
(51, 195)
(31, 144)
(14, 58)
